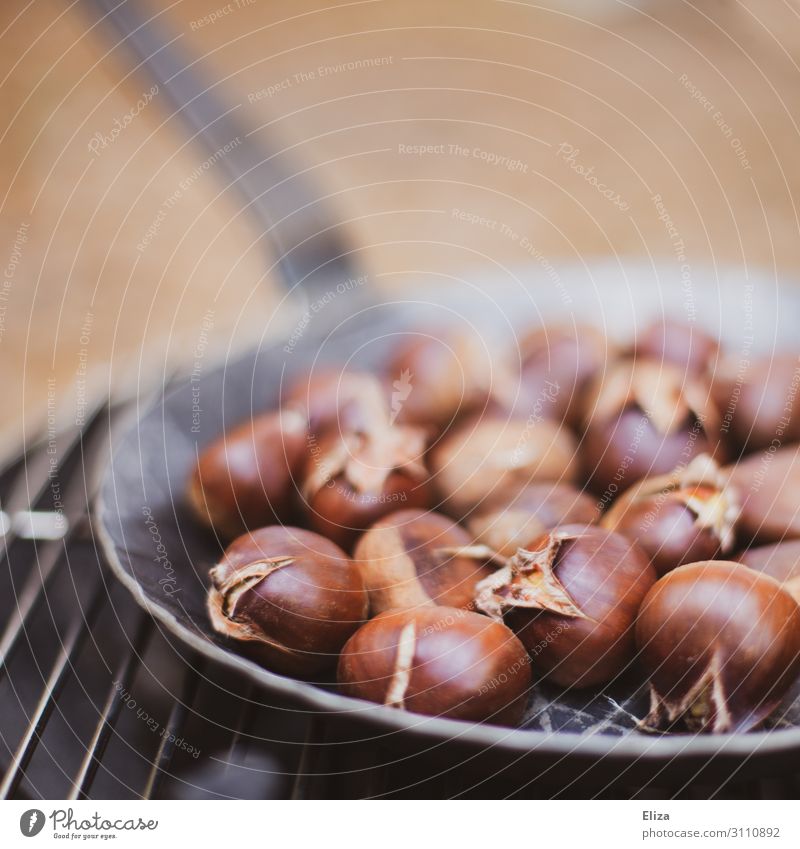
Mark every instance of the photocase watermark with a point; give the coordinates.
(744, 361)
(219, 13)
(719, 119)
(100, 141)
(547, 395)
(9, 272)
(625, 463)
(52, 457)
(320, 72)
(497, 160)
(317, 306)
(569, 154)
(524, 242)
(680, 255)
(183, 186)
(206, 327)
(401, 392)
(64, 825)
(168, 582)
(83, 364)
(153, 724)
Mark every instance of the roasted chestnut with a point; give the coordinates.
(681, 343)
(415, 557)
(572, 596)
(557, 363)
(439, 375)
(492, 454)
(289, 598)
(245, 478)
(780, 561)
(721, 646)
(683, 517)
(354, 477)
(644, 419)
(506, 522)
(758, 401)
(441, 661)
(768, 484)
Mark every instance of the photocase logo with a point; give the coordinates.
(402, 389)
(31, 822)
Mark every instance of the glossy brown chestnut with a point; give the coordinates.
(355, 477)
(683, 517)
(572, 597)
(245, 478)
(490, 455)
(417, 557)
(289, 598)
(680, 343)
(780, 561)
(440, 661)
(505, 523)
(721, 645)
(438, 375)
(768, 484)
(557, 363)
(758, 402)
(645, 419)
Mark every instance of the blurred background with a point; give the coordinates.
(452, 137)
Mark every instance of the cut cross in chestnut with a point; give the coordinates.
(506, 521)
(572, 597)
(491, 455)
(441, 661)
(288, 597)
(686, 516)
(245, 478)
(721, 646)
(416, 557)
(645, 419)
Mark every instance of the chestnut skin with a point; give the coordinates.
(417, 557)
(780, 561)
(506, 522)
(440, 661)
(644, 419)
(290, 599)
(489, 455)
(683, 517)
(245, 478)
(759, 403)
(572, 597)
(557, 363)
(679, 343)
(721, 646)
(768, 483)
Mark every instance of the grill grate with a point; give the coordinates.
(97, 703)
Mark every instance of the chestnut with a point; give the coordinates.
(354, 477)
(721, 646)
(758, 401)
(326, 393)
(556, 365)
(681, 343)
(506, 522)
(767, 483)
(780, 561)
(440, 661)
(683, 517)
(245, 478)
(290, 599)
(437, 376)
(572, 596)
(645, 418)
(491, 454)
(415, 557)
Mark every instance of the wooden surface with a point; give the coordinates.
(551, 135)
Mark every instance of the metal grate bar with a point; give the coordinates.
(177, 718)
(124, 676)
(71, 646)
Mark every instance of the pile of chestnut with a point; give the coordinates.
(467, 520)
